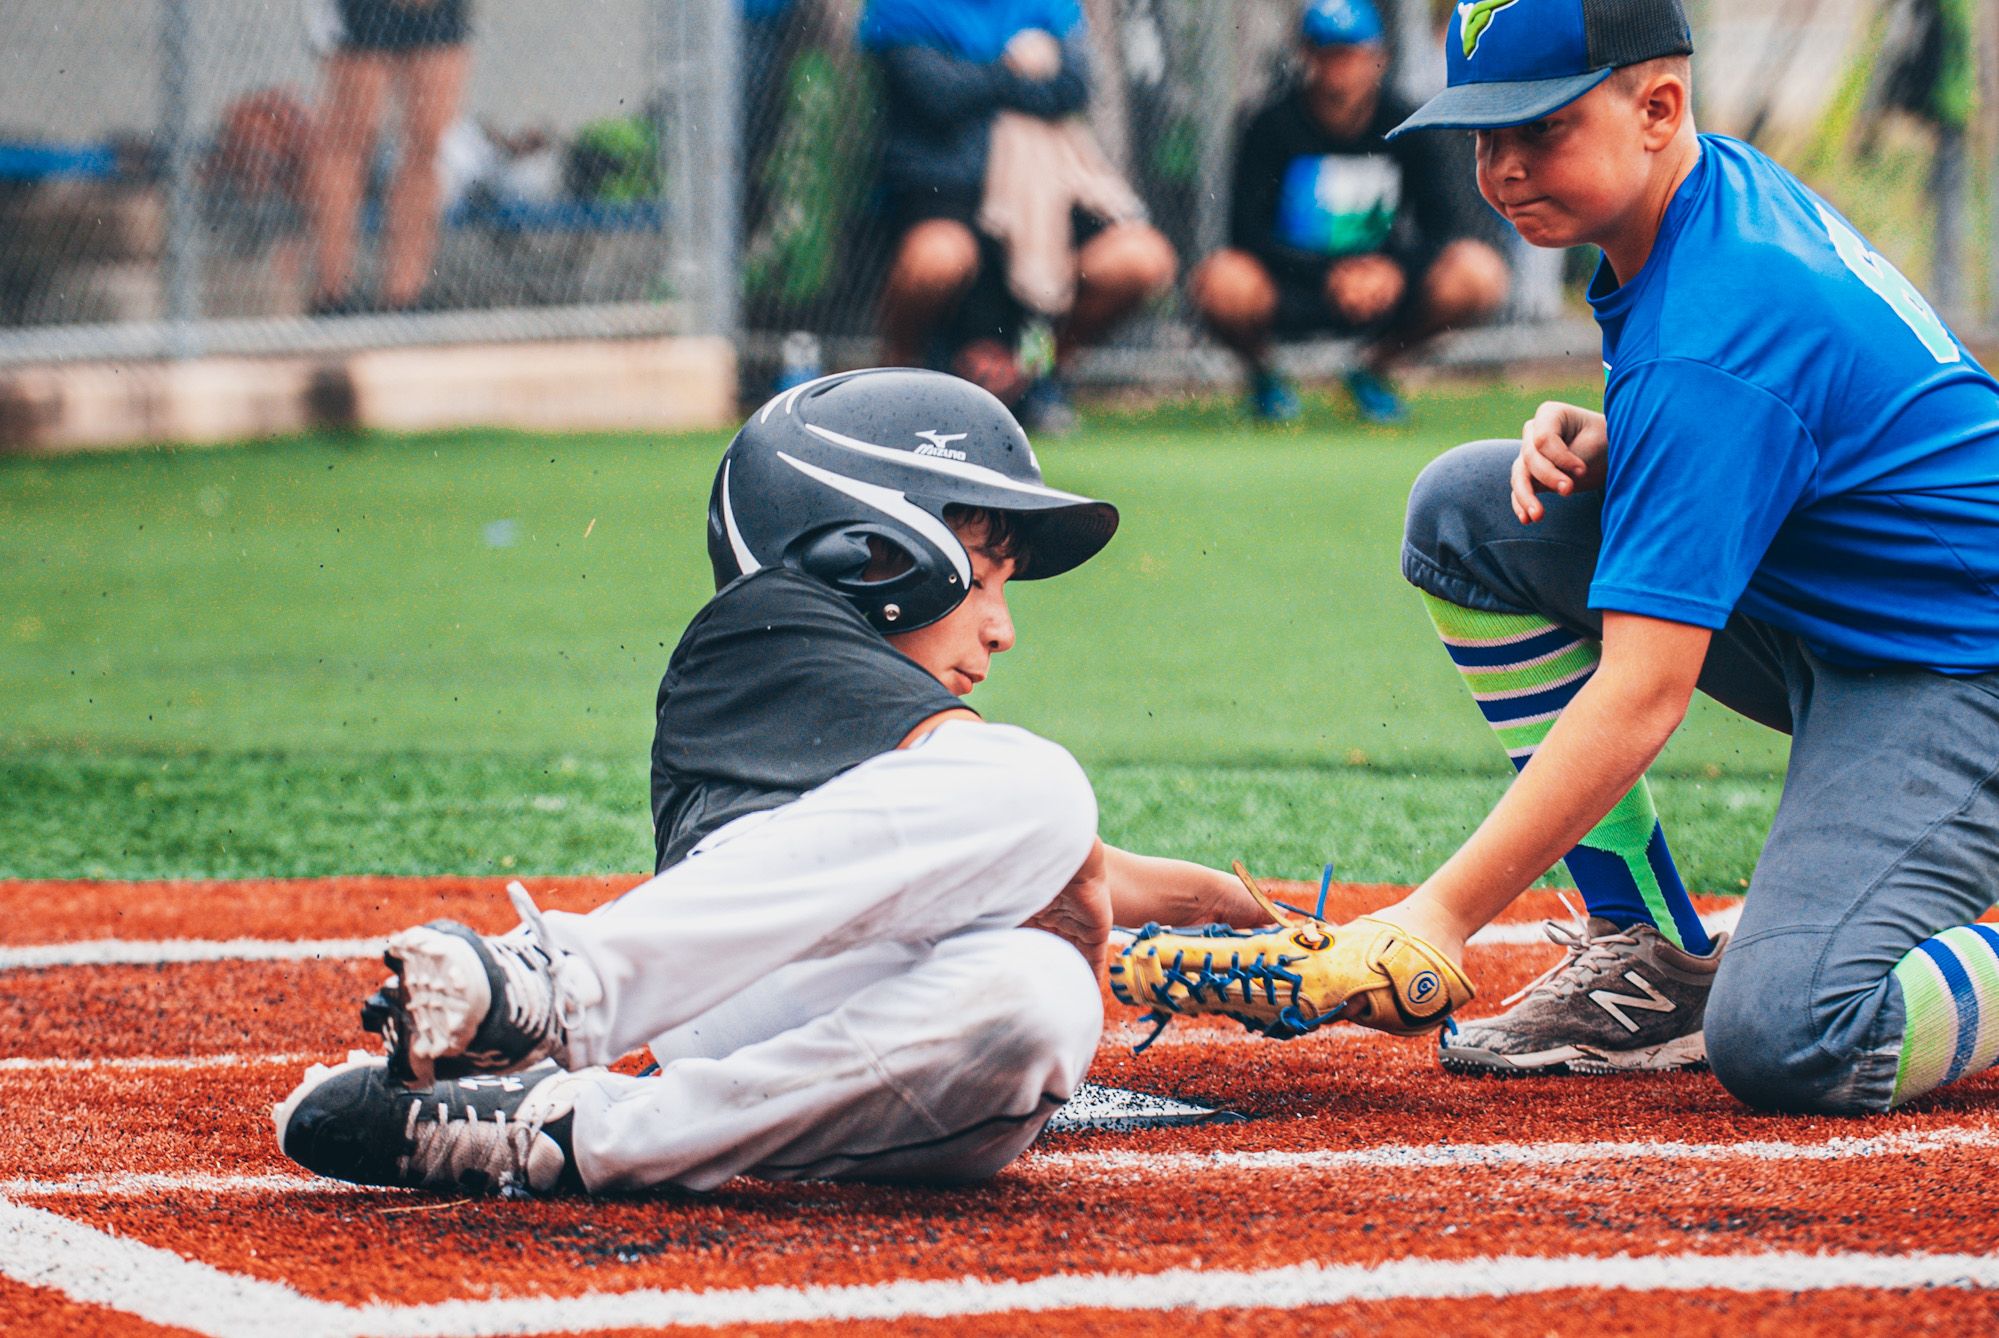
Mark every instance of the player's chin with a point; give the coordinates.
(1538, 228)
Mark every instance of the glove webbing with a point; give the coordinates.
(1289, 1024)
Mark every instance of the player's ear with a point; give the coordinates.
(1664, 104)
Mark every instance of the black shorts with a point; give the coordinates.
(1302, 308)
(989, 310)
(400, 25)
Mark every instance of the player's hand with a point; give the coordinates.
(1034, 54)
(1563, 449)
(1363, 289)
(1080, 915)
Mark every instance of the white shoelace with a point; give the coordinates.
(530, 991)
(547, 988)
(1581, 954)
(497, 1150)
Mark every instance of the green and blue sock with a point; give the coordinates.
(1523, 671)
(1950, 1006)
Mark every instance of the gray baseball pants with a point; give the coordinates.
(1887, 832)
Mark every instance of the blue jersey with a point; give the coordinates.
(1795, 434)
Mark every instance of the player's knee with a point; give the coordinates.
(1459, 494)
(1048, 1013)
(1128, 265)
(1231, 289)
(1767, 1043)
(937, 256)
(1150, 265)
(1469, 282)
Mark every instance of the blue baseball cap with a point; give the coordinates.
(1340, 23)
(1515, 61)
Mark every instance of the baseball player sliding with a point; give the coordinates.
(871, 947)
(1790, 502)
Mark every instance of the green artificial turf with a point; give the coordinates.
(348, 655)
(142, 814)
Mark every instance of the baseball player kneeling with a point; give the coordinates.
(870, 948)
(1790, 503)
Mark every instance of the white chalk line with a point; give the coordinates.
(146, 1185)
(149, 1063)
(1430, 1156)
(44, 1249)
(181, 951)
(1129, 1164)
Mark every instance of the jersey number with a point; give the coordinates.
(1889, 285)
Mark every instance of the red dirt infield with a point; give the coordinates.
(141, 1190)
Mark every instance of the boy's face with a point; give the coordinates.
(1343, 86)
(958, 648)
(1575, 176)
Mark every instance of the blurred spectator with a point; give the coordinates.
(1332, 227)
(254, 204)
(262, 150)
(419, 47)
(950, 67)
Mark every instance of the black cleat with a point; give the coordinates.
(487, 1134)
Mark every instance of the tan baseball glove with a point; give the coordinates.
(1292, 978)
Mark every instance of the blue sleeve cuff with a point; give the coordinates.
(1653, 604)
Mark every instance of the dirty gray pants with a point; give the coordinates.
(1887, 833)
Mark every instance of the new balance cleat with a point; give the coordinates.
(506, 1134)
(1620, 1000)
(459, 1003)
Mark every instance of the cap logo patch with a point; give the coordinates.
(1474, 17)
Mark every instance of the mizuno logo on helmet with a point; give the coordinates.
(1474, 18)
(939, 444)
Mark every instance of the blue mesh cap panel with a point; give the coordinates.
(1625, 32)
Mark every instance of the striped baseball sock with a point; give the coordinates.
(1522, 670)
(1950, 1007)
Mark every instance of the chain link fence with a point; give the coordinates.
(188, 176)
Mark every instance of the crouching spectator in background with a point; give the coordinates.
(957, 295)
(1333, 228)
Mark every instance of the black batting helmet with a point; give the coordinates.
(823, 466)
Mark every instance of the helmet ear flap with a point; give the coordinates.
(841, 556)
(837, 556)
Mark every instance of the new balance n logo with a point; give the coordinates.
(1651, 1001)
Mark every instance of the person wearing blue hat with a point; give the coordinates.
(1331, 228)
(949, 69)
(1790, 501)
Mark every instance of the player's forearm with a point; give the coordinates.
(1149, 889)
(1595, 753)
